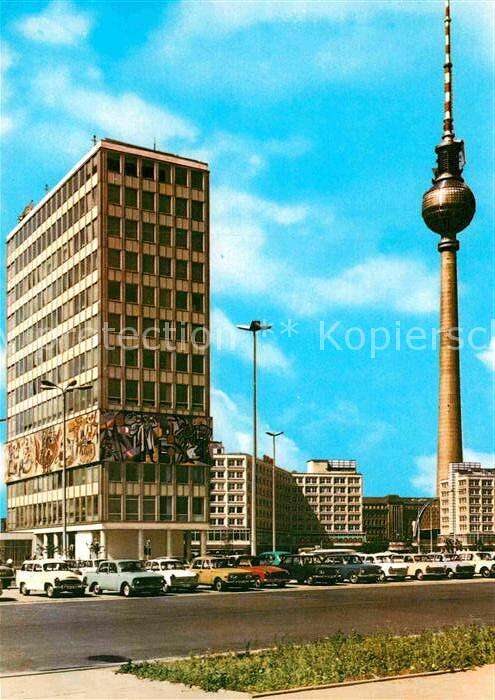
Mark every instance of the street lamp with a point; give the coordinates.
(274, 436)
(71, 386)
(254, 327)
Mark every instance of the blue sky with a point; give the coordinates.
(319, 121)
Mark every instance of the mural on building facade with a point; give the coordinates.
(154, 437)
(42, 452)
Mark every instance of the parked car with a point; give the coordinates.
(455, 567)
(420, 566)
(484, 562)
(264, 574)
(125, 576)
(216, 572)
(88, 566)
(273, 558)
(51, 576)
(307, 568)
(351, 567)
(7, 574)
(392, 568)
(177, 576)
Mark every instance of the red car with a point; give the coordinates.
(264, 574)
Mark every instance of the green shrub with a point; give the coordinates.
(332, 660)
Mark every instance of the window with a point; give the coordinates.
(198, 509)
(181, 332)
(113, 162)
(150, 327)
(198, 364)
(131, 261)
(198, 475)
(181, 395)
(181, 269)
(164, 235)
(198, 334)
(114, 356)
(149, 473)
(131, 508)
(181, 238)
(114, 390)
(197, 272)
(148, 232)
(165, 394)
(130, 197)
(164, 204)
(149, 359)
(165, 298)
(130, 228)
(148, 201)
(149, 296)
(114, 258)
(113, 194)
(114, 322)
(181, 508)
(113, 226)
(196, 179)
(180, 176)
(197, 241)
(131, 323)
(165, 363)
(131, 293)
(165, 507)
(166, 473)
(149, 264)
(131, 391)
(181, 363)
(149, 508)
(114, 290)
(115, 507)
(197, 303)
(196, 210)
(181, 207)
(164, 174)
(149, 393)
(131, 166)
(181, 301)
(198, 396)
(148, 170)
(164, 267)
(115, 471)
(131, 471)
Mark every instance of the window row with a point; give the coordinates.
(147, 233)
(151, 473)
(161, 329)
(152, 265)
(133, 392)
(163, 508)
(153, 296)
(83, 509)
(153, 170)
(53, 481)
(149, 201)
(157, 359)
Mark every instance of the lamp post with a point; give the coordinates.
(71, 386)
(421, 510)
(274, 436)
(254, 327)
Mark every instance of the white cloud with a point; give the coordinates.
(426, 469)
(7, 60)
(488, 355)
(59, 23)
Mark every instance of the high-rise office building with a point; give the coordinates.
(108, 285)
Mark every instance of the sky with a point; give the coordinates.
(319, 122)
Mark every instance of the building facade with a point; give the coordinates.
(392, 520)
(334, 490)
(108, 284)
(230, 506)
(467, 505)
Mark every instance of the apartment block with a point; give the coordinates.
(108, 285)
(467, 504)
(334, 490)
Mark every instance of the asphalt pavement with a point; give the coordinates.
(73, 633)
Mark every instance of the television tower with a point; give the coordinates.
(448, 208)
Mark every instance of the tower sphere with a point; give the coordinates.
(448, 206)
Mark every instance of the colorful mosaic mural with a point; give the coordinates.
(154, 437)
(42, 452)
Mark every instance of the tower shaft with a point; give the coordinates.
(449, 400)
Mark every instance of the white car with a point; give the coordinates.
(393, 566)
(178, 576)
(455, 567)
(51, 576)
(420, 566)
(484, 562)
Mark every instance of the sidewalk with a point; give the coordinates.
(105, 684)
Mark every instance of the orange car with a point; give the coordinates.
(264, 574)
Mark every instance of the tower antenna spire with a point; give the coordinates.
(448, 116)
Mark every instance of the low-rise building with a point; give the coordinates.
(392, 519)
(467, 505)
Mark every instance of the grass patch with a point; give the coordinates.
(332, 660)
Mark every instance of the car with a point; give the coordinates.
(274, 557)
(7, 574)
(310, 569)
(125, 576)
(88, 566)
(264, 574)
(392, 567)
(484, 562)
(352, 568)
(216, 573)
(455, 567)
(51, 576)
(177, 576)
(420, 566)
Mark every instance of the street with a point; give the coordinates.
(65, 633)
